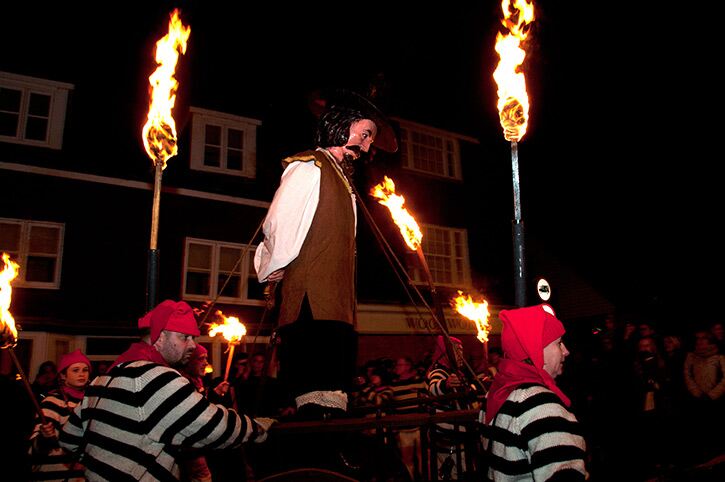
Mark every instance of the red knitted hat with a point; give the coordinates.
(73, 357)
(170, 315)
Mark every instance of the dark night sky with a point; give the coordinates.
(618, 165)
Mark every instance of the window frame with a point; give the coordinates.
(451, 158)
(201, 118)
(58, 93)
(21, 256)
(247, 266)
(460, 279)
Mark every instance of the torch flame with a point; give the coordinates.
(7, 322)
(476, 312)
(385, 193)
(513, 101)
(159, 133)
(232, 329)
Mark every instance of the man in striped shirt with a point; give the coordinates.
(529, 432)
(134, 419)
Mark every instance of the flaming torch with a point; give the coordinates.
(413, 237)
(159, 132)
(476, 312)
(8, 331)
(233, 331)
(513, 108)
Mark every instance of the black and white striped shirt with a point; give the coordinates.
(52, 462)
(134, 419)
(534, 437)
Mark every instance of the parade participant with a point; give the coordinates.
(193, 464)
(49, 461)
(445, 378)
(134, 419)
(309, 246)
(530, 434)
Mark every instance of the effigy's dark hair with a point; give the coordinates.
(333, 128)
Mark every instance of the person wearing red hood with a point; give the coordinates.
(534, 437)
(134, 418)
(50, 462)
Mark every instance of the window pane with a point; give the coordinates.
(43, 240)
(39, 105)
(212, 156)
(235, 139)
(213, 135)
(234, 160)
(233, 285)
(9, 237)
(10, 100)
(228, 258)
(40, 268)
(197, 283)
(36, 129)
(8, 124)
(199, 256)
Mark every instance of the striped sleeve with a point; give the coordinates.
(436, 379)
(176, 413)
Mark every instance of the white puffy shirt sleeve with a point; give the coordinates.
(289, 218)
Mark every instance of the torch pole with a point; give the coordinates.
(518, 232)
(438, 307)
(441, 319)
(152, 272)
(229, 361)
(26, 384)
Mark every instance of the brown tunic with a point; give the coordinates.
(324, 271)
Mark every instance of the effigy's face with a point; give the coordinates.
(362, 135)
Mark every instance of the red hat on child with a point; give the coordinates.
(73, 357)
(170, 315)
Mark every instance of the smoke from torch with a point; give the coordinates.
(513, 100)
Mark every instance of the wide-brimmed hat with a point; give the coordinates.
(320, 101)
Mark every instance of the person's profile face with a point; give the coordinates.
(362, 135)
(554, 355)
(197, 366)
(175, 347)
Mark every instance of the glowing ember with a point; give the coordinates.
(232, 329)
(513, 101)
(7, 322)
(385, 193)
(159, 133)
(476, 312)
